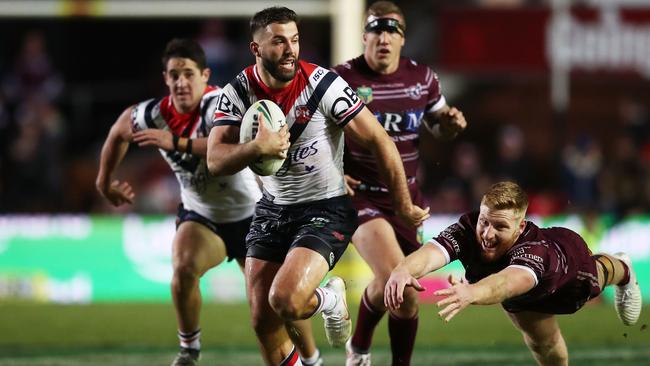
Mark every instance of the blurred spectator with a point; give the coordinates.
(35, 158)
(511, 162)
(622, 178)
(33, 72)
(219, 52)
(582, 162)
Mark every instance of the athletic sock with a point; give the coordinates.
(190, 340)
(367, 321)
(311, 360)
(327, 299)
(402, 338)
(292, 359)
(626, 275)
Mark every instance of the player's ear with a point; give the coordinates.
(522, 225)
(205, 74)
(255, 48)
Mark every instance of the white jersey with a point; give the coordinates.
(317, 104)
(221, 199)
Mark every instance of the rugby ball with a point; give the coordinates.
(274, 119)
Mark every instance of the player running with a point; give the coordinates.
(215, 214)
(305, 219)
(403, 95)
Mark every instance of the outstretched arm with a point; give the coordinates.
(366, 131)
(113, 151)
(493, 289)
(424, 260)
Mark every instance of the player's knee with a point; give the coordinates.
(286, 304)
(408, 309)
(186, 272)
(544, 345)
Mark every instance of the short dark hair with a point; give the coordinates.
(275, 14)
(184, 48)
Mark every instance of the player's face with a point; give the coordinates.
(278, 46)
(383, 48)
(186, 83)
(497, 231)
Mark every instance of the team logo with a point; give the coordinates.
(365, 93)
(303, 115)
(415, 92)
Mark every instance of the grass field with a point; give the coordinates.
(144, 334)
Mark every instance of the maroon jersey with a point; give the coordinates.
(399, 101)
(565, 273)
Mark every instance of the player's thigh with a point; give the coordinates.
(377, 244)
(197, 246)
(301, 273)
(538, 326)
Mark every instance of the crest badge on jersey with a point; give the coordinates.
(303, 115)
(365, 93)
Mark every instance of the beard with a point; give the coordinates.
(273, 68)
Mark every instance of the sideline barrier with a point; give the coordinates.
(81, 259)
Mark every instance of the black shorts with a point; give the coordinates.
(324, 226)
(233, 234)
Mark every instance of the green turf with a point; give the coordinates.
(144, 334)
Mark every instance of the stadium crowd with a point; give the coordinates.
(52, 123)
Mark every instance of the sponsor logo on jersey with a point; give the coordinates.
(303, 115)
(297, 157)
(365, 93)
(331, 259)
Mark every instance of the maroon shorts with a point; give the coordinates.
(563, 294)
(378, 204)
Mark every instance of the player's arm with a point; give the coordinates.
(445, 122)
(225, 155)
(365, 130)
(165, 140)
(494, 289)
(113, 151)
(426, 259)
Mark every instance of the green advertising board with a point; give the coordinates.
(128, 258)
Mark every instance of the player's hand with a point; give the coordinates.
(270, 143)
(459, 296)
(154, 137)
(452, 122)
(351, 184)
(399, 279)
(118, 193)
(413, 215)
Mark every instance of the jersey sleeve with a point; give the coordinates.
(147, 115)
(339, 103)
(435, 100)
(229, 109)
(209, 105)
(532, 258)
(454, 238)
